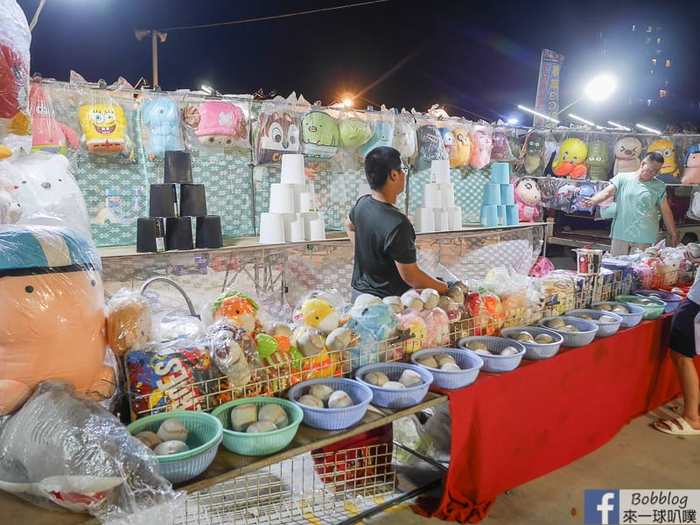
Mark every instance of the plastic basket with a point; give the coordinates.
(604, 329)
(588, 330)
(470, 363)
(496, 363)
(536, 351)
(396, 399)
(334, 418)
(204, 436)
(260, 443)
(633, 318)
(672, 300)
(653, 310)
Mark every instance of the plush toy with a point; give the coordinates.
(481, 147)
(448, 139)
(500, 150)
(598, 162)
(570, 161)
(430, 146)
(669, 171)
(10, 209)
(405, 139)
(319, 135)
(691, 173)
(584, 191)
(46, 191)
(372, 325)
(627, 155)
(460, 152)
(48, 134)
(438, 328)
(453, 309)
(278, 133)
(161, 118)
(531, 154)
(412, 323)
(52, 311)
(104, 129)
(222, 124)
(128, 322)
(354, 132)
(239, 308)
(528, 198)
(382, 135)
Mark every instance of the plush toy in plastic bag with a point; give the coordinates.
(430, 146)
(372, 324)
(354, 132)
(10, 208)
(481, 146)
(414, 326)
(160, 117)
(458, 145)
(15, 123)
(405, 139)
(532, 152)
(437, 328)
(528, 198)
(628, 151)
(584, 191)
(63, 452)
(598, 160)
(571, 158)
(501, 150)
(52, 311)
(129, 323)
(222, 125)
(382, 133)
(669, 171)
(278, 132)
(320, 136)
(105, 128)
(691, 173)
(46, 191)
(239, 308)
(48, 134)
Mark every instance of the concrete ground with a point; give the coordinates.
(638, 457)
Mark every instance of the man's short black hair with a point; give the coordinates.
(655, 156)
(378, 165)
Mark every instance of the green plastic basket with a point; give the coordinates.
(261, 443)
(205, 434)
(652, 310)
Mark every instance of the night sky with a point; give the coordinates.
(477, 58)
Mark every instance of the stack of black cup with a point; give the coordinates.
(169, 225)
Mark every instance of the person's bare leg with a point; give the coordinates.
(688, 376)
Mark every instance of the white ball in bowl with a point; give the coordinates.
(261, 426)
(172, 429)
(410, 378)
(482, 351)
(172, 446)
(450, 367)
(311, 401)
(509, 351)
(275, 414)
(376, 378)
(428, 361)
(339, 399)
(322, 392)
(394, 385)
(444, 358)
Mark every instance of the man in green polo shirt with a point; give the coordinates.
(640, 201)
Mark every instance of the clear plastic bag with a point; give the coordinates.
(405, 138)
(48, 133)
(161, 126)
(60, 451)
(277, 130)
(481, 138)
(129, 323)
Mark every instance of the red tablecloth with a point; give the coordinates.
(510, 428)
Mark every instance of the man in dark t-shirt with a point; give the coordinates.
(383, 237)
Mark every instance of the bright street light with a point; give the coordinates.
(647, 128)
(618, 126)
(601, 87)
(537, 113)
(207, 89)
(513, 121)
(348, 102)
(583, 120)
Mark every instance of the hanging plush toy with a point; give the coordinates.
(382, 135)
(448, 139)
(354, 132)
(278, 133)
(598, 161)
(161, 119)
(532, 153)
(239, 308)
(584, 191)
(528, 197)
(628, 151)
(320, 135)
(48, 134)
(430, 146)
(104, 129)
(481, 147)
(500, 151)
(405, 139)
(570, 161)
(461, 149)
(221, 124)
(669, 171)
(691, 173)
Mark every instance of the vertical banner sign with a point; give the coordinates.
(547, 100)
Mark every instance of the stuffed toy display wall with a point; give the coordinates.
(48, 134)
(161, 122)
(628, 151)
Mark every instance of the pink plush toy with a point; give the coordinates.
(481, 146)
(48, 134)
(221, 124)
(438, 325)
(414, 324)
(528, 198)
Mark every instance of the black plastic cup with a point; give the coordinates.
(150, 234)
(209, 232)
(178, 167)
(178, 233)
(193, 200)
(163, 201)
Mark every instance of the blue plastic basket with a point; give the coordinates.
(604, 329)
(588, 330)
(672, 300)
(470, 363)
(334, 418)
(536, 351)
(396, 399)
(204, 436)
(633, 318)
(496, 363)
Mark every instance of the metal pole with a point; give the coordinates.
(154, 56)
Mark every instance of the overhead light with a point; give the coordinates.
(601, 87)
(647, 128)
(207, 89)
(347, 102)
(618, 126)
(513, 121)
(583, 120)
(538, 114)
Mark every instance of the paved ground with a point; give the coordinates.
(638, 457)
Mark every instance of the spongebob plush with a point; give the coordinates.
(571, 158)
(104, 128)
(669, 171)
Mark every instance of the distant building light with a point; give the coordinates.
(650, 101)
(648, 40)
(663, 93)
(658, 40)
(666, 83)
(634, 27)
(668, 62)
(653, 61)
(651, 71)
(649, 29)
(658, 51)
